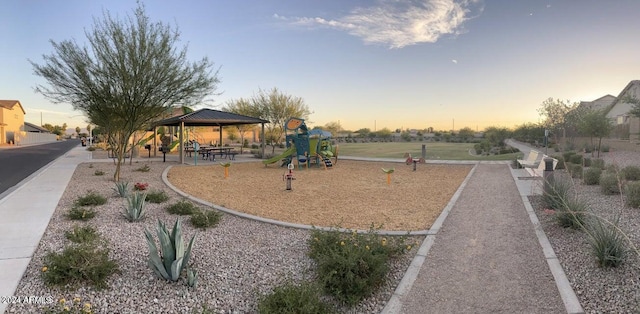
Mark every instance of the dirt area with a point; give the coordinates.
(352, 194)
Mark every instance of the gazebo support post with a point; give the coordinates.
(155, 142)
(220, 141)
(181, 138)
(263, 141)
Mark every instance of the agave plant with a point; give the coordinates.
(192, 277)
(122, 188)
(134, 209)
(173, 257)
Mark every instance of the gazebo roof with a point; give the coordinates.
(210, 117)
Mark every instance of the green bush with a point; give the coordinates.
(84, 234)
(572, 214)
(351, 266)
(613, 168)
(567, 155)
(205, 218)
(157, 197)
(576, 159)
(294, 299)
(558, 193)
(608, 244)
(604, 148)
(92, 198)
(81, 213)
(597, 163)
(182, 208)
(609, 183)
(586, 162)
(99, 173)
(144, 168)
(591, 176)
(561, 163)
(632, 194)
(575, 170)
(631, 173)
(78, 264)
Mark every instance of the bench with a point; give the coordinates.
(539, 171)
(530, 161)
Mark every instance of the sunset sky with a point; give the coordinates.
(374, 64)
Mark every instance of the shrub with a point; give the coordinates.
(122, 188)
(561, 163)
(144, 168)
(604, 148)
(576, 159)
(134, 207)
(140, 186)
(157, 197)
(631, 173)
(575, 170)
(205, 218)
(291, 298)
(79, 264)
(591, 176)
(572, 213)
(81, 213)
(99, 173)
(586, 162)
(613, 168)
(351, 267)
(182, 208)
(79, 234)
(173, 257)
(607, 242)
(632, 194)
(567, 155)
(609, 183)
(557, 195)
(254, 146)
(92, 199)
(597, 163)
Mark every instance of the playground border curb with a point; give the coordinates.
(394, 305)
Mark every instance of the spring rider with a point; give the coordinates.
(288, 176)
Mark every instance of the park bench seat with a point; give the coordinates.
(530, 161)
(539, 171)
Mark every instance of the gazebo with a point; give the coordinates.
(209, 117)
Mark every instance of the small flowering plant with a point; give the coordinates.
(140, 186)
(74, 306)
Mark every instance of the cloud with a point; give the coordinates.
(454, 61)
(399, 23)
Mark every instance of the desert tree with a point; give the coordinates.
(129, 74)
(243, 107)
(595, 124)
(555, 113)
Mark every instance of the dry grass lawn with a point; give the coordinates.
(352, 194)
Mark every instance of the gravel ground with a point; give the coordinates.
(600, 290)
(486, 257)
(237, 261)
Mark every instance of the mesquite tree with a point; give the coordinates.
(129, 75)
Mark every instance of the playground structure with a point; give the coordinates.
(415, 161)
(306, 147)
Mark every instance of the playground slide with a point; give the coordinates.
(291, 150)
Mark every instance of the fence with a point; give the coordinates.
(28, 138)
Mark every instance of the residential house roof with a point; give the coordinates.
(621, 106)
(10, 104)
(602, 103)
(30, 127)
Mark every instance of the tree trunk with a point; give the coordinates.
(599, 144)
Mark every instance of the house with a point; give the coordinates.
(30, 127)
(11, 121)
(627, 125)
(602, 103)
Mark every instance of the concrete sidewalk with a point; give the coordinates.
(487, 257)
(25, 216)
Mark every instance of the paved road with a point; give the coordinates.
(18, 163)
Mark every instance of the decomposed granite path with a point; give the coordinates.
(486, 257)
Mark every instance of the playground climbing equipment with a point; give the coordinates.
(414, 161)
(306, 147)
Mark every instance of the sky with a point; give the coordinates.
(403, 64)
